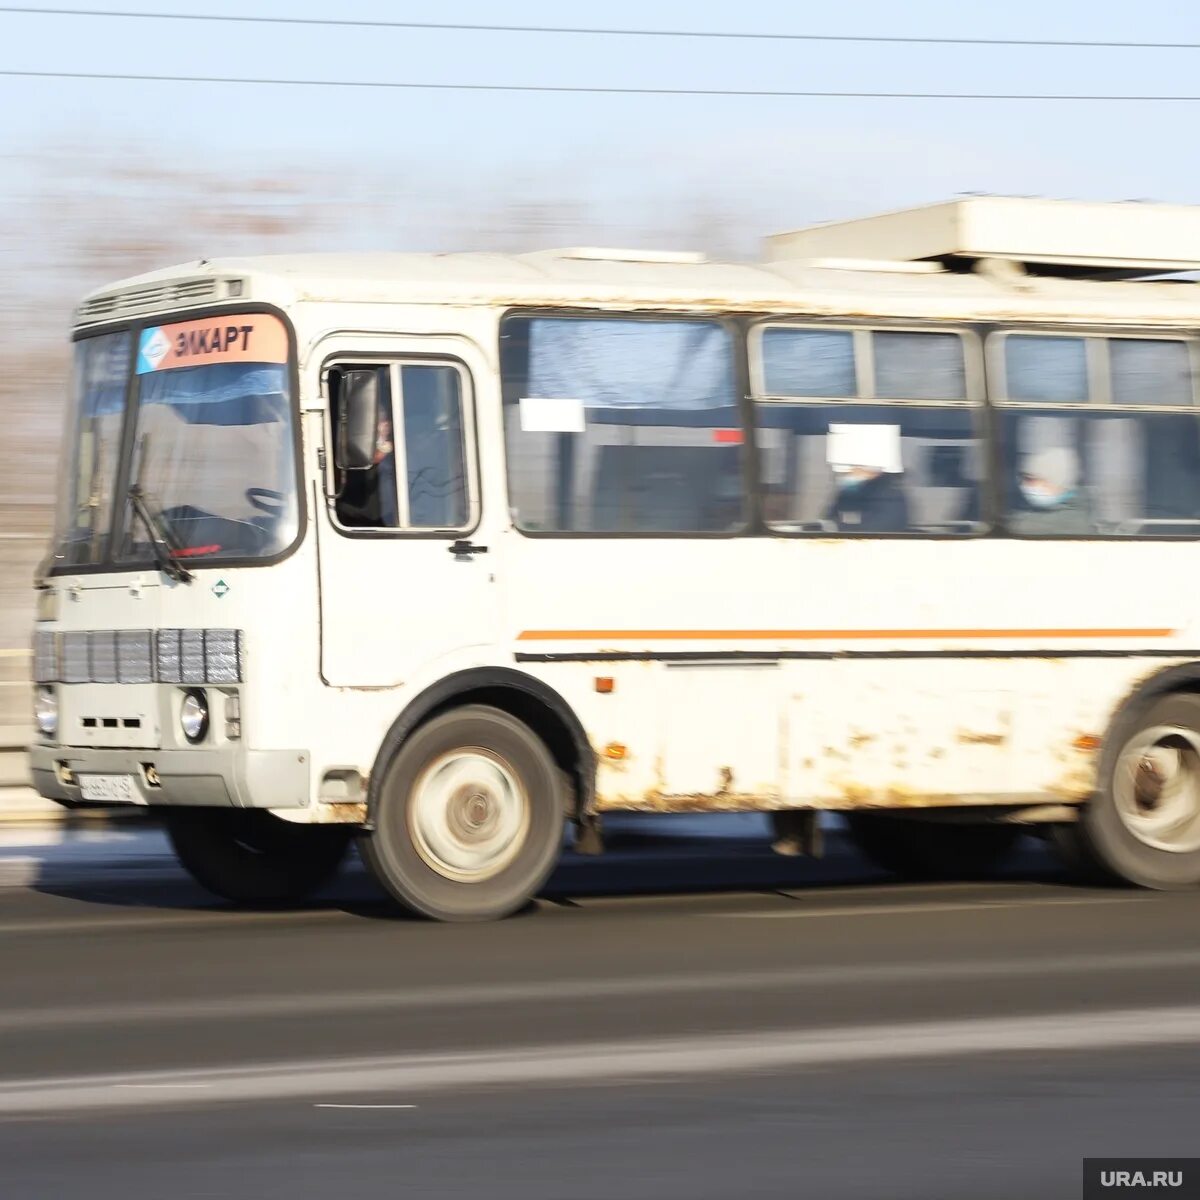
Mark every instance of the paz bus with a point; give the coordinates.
(456, 553)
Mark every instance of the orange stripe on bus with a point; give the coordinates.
(760, 635)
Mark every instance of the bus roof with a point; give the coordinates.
(923, 276)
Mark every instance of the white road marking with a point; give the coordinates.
(364, 1106)
(710, 1054)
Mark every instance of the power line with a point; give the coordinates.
(730, 35)
(407, 85)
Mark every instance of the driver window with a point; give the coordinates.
(418, 480)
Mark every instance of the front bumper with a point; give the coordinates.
(224, 776)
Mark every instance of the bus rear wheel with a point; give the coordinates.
(252, 857)
(1143, 824)
(468, 819)
(927, 849)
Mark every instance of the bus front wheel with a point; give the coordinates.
(1143, 824)
(251, 857)
(468, 820)
(917, 849)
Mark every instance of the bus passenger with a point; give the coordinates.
(867, 466)
(869, 500)
(1049, 482)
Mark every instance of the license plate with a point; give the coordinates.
(115, 789)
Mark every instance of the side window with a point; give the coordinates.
(419, 479)
(1050, 370)
(1099, 436)
(809, 362)
(867, 431)
(622, 425)
(1150, 371)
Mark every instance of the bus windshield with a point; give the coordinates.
(85, 502)
(213, 444)
(214, 455)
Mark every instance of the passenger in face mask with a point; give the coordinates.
(1051, 503)
(868, 500)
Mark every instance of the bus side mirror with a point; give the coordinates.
(358, 420)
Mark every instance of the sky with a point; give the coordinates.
(637, 164)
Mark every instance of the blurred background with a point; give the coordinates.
(159, 131)
(105, 177)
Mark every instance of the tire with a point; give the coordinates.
(1143, 824)
(933, 850)
(251, 857)
(468, 818)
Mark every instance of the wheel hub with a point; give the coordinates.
(1157, 788)
(468, 815)
(1148, 784)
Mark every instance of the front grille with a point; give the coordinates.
(191, 655)
(45, 656)
(139, 656)
(222, 657)
(104, 656)
(76, 658)
(135, 661)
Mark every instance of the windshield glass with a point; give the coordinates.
(85, 505)
(214, 448)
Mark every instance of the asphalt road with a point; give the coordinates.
(696, 1020)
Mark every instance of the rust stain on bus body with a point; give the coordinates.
(339, 812)
(970, 737)
(692, 802)
(1076, 780)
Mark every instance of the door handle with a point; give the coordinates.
(463, 548)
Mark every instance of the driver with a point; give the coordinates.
(368, 499)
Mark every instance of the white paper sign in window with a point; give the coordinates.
(876, 447)
(552, 414)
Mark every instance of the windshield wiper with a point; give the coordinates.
(160, 537)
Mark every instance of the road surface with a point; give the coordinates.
(696, 1019)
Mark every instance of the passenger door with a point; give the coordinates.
(407, 545)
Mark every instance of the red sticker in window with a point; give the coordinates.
(727, 437)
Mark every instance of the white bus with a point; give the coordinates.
(452, 552)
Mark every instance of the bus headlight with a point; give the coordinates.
(193, 716)
(45, 710)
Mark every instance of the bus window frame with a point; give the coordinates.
(994, 335)
(974, 370)
(395, 360)
(110, 564)
(1096, 339)
(733, 323)
(975, 377)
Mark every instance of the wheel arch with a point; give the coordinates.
(530, 700)
(1180, 679)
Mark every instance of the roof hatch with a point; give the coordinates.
(1057, 237)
